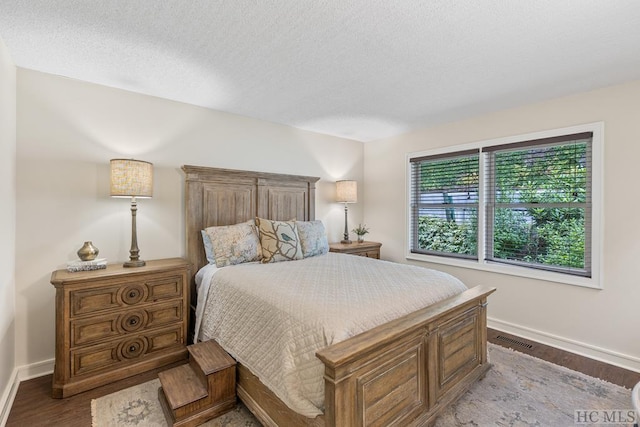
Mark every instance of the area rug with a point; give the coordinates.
(518, 390)
(139, 406)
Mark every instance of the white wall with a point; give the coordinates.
(66, 133)
(600, 323)
(7, 222)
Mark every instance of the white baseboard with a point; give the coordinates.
(19, 374)
(8, 396)
(625, 361)
(36, 370)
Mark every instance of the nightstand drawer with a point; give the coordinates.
(365, 253)
(366, 249)
(371, 254)
(358, 253)
(94, 329)
(130, 348)
(111, 297)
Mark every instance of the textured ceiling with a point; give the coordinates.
(359, 69)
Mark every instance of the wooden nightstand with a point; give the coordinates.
(368, 249)
(118, 322)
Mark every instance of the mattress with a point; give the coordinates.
(273, 318)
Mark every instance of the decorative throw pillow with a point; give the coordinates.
(234, 244)
(313, 238)
(279, 240)
(208, 247)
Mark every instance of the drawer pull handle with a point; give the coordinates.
(134, 321)
(133, 294)
(132, 349)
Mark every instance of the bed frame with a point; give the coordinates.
(404, 372)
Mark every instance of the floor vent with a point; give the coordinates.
(515, 342)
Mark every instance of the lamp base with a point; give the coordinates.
(346, 241)
(138, 263)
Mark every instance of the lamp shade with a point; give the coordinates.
(131, 178)
(347, 191)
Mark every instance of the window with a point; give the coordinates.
(444, 204)
(521, 204)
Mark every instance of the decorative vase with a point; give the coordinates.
(360, 238)
(88, 252)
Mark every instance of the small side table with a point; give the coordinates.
(368, 249)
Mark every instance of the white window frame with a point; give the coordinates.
(597, 186)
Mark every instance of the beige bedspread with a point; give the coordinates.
(273, 318)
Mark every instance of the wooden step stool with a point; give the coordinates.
(203, 389)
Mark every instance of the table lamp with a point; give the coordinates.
(346, 192)
(132, 178)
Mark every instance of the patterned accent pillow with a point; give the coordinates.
(313, 238)
(234, 244)
(279, 240)
(208, 247)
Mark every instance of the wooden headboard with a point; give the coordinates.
(224, 197)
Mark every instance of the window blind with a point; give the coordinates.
(444, 204)
(538, 203)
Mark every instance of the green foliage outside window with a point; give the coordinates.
(544, 235)
(441, 235)
(557, 242)
(526, 227)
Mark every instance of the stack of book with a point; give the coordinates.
(78, 265)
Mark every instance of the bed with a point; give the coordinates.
(401, 372)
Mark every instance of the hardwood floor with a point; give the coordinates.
(594, 368)
(34, 406)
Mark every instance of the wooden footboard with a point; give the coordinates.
(407, 371)
(404, 372)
